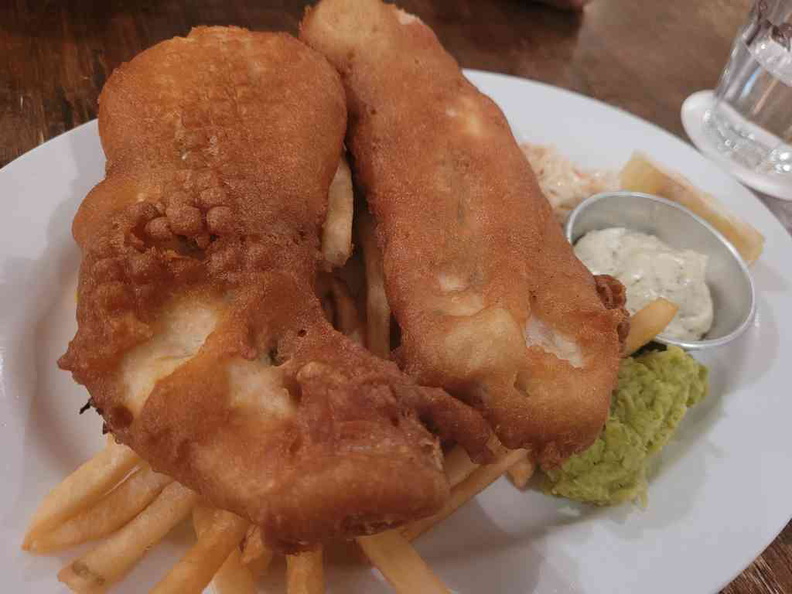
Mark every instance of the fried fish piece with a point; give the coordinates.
(492, 303)
(200, 338)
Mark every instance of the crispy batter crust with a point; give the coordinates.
(613, 295)
(491, 301)
(200, 338)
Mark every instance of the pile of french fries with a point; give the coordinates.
(117, 499)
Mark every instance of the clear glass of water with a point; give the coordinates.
(751, 119)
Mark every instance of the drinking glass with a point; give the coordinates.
(750, 121)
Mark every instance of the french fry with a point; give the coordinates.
(641, 174)
(222, 531)
(400, 564)
(108, 515)
(256, 556)
(457, 465)
(233, 577)
(378, 312)
(521, 472)
(647, 323)
(347, 318)
(480, 479)
(305, 573)
(328, 307)
(112, 559)
(81, 489)
(339, 306)
(337, 231)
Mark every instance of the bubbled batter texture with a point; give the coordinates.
(200, 338)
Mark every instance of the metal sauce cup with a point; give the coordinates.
(727, 275)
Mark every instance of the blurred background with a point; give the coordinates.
(645, 56)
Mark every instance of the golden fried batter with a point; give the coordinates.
(200, 338)
(492, 303)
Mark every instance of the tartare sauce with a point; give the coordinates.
(649, 269)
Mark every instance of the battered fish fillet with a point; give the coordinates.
(492, 303)
(200, 337)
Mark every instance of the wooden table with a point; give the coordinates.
(644, 56)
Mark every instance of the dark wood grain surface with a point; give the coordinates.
(645, 56)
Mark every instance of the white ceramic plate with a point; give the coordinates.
(723, 490)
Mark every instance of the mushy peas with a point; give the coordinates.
(653, 394)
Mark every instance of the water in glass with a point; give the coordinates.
(751, 120)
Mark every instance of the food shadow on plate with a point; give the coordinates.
(766, 279)
(39, 285)
(346, 572)
(47, 448)
(753, 354)
(42, 291)
(630, 520)
(734, 366)
(502, 558)
(447, 549)
(506, 532)
(737, 365)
